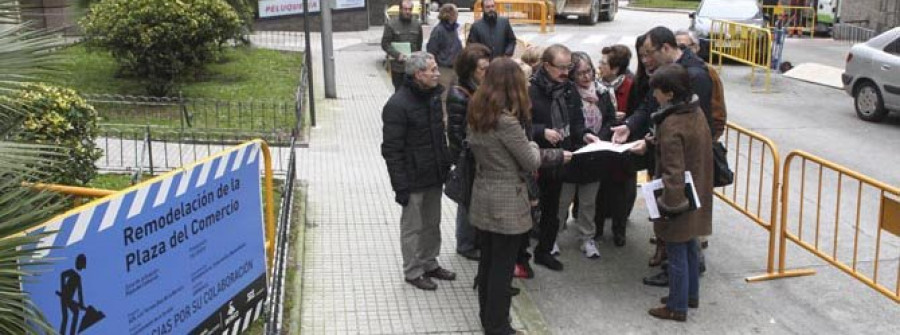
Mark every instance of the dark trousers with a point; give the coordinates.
(615, 201)
(396, 79)
(495, 272)
(550, 185)
(522, 256)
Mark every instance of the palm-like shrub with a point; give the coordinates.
(24, 55)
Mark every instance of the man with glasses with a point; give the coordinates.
(493, 31)
(688, 41)
(557, 122)
(402, 35)
(418, 161)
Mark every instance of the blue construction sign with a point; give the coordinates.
(179, 254)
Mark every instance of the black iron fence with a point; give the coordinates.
(152, 134)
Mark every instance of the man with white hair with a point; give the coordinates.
(418, 161)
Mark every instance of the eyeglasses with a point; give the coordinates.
(648, 53)
(584, 73)
(564, 67)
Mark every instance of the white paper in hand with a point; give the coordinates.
(605, 146)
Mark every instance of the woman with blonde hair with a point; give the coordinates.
(498, 115)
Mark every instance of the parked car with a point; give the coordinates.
(740, 11)
(872, 76)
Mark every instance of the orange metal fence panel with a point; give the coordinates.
(835, 216)
(796, 20)
(754, 193)
(542, 12)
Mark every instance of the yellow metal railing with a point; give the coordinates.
(754, 192)
(796, 20)
(855, 214)
(542, 12)
(744, 44)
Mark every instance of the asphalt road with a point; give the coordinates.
(603, 296)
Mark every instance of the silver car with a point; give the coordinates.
(872, 76)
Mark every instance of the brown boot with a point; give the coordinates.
(665, 313)
(660, 254)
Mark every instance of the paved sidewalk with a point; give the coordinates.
(352, 275)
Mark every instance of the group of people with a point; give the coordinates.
(522, 119)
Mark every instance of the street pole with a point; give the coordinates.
(309, 67)
(328, 49)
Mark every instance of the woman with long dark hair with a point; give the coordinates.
(498, 115)
(470, 67)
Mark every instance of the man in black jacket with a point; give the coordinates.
(557, 122)
(660, 48)
(405, 29)
(415, 150)
(493, 31)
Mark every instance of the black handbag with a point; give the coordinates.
(458, 186)
(722, 174)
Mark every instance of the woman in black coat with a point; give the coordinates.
(470, 67)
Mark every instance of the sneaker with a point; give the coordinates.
(555, 250)
(523, 270)
(549, 261)
(590, 249)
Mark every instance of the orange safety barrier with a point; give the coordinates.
(755, 162)
(855, 215)
(742, 43)
(796, 20)
(524, 11)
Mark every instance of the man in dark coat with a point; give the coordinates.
(415, 150)
(557, 122)
(660, 48)
(493, 31)
(403, 29)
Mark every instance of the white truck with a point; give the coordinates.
(589, 12)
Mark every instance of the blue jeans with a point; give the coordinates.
(684, 278)
(465, 233)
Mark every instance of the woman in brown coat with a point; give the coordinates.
(500, 210)
(682, 141)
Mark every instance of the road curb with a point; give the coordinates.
(527, 312)
(657, 10)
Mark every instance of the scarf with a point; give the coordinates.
(615, 83)
(593, 119)
(559, 120)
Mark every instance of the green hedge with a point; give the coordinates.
(58, 116)
(160, 40)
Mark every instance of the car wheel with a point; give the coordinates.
(593, 16)
(868, 102)
(610, 14)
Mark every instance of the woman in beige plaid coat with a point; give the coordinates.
(500, 210)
